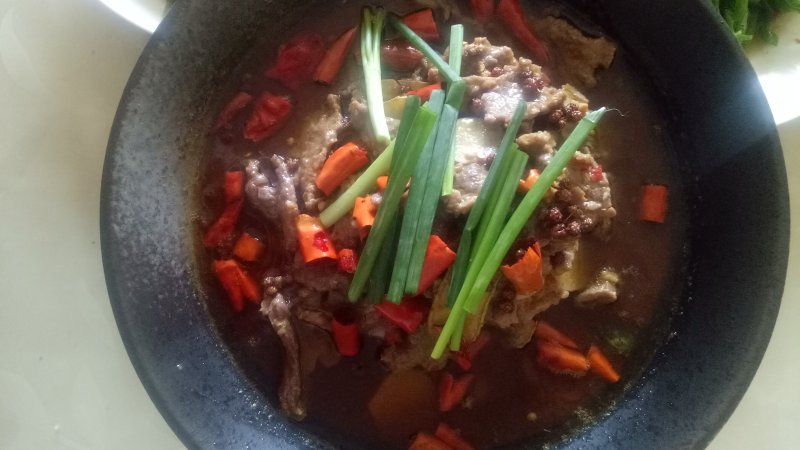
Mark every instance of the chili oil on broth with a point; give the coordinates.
(509, 386)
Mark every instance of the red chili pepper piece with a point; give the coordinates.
(269, 114)
(423, 23)
(407, 315)
(223, 228)
(228, 274)
(452, 391)
(450, 437)
(469, 351)
(297, 60)
(596, 173)
(510, 12)
(237, 103)
(234, 186)
(424, 93)
(348, 261)
(345, 333)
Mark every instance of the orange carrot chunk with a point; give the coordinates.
(343, 162)
(331, 63)
(234, 186)
(653, 207)
(422, 23)
(450, 437)
(510, 12)
(314, 241)
(526, 274)
(424, 93)
(526, 183)
(452, 391)
(545, 332)
(438, 258)
(424, 441)
(248, 248)
(600, 365)
(561, 360)
(382, 181)
(364, 214)
(251, 289)
(482, 10)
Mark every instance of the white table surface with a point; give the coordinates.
(65, 379)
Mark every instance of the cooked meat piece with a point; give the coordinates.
(287, 199)
(278, 310)
(344, 233)
(540, 145)
(317, 317)
(320, 278)
(475, 146)
(601, 292)
(320, 132)
(577, 57)
(260, 192)
(414, 351)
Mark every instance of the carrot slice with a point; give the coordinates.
(251, 289)
(424, 441)
(364, 214)
(314, 241)
(331, 63)
(545, 332)
(237, 103)
(345, 333)
(382, 181)
(438, 258)
(526, 274)
(423, 23)
(424, 93)
(526, 184)
(600, 365)
(343, 162)
(248, 248)
(653, 207)
(482, 10)
(510, 12)
(452, 391)
(450, 437)
(348, 261)
(222, 229)
(561, 360)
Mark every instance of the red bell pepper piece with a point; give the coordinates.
(237, 103)
(511, 14)
(450, 437)
(269, 114)
(224, 226)
(399, 55)
(297, 60)
(348, 261)
(482, 10)
(422, 23)
(452, 391)
(407, 315)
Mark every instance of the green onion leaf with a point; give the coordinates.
(444, 69)
(371, 28)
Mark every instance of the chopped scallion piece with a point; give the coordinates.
(371, 29)
(387, 212)
(383, 267)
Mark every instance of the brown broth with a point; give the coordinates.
(509, 388)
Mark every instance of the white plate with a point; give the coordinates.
(145, 14)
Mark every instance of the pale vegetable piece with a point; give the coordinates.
(394, 107)
(390, 88)
(399, 393)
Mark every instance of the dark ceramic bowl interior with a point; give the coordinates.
(733, 183)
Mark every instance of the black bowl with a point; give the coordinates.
(723, 135)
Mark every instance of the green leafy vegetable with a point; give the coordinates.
(371, 29)
(749, 19)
